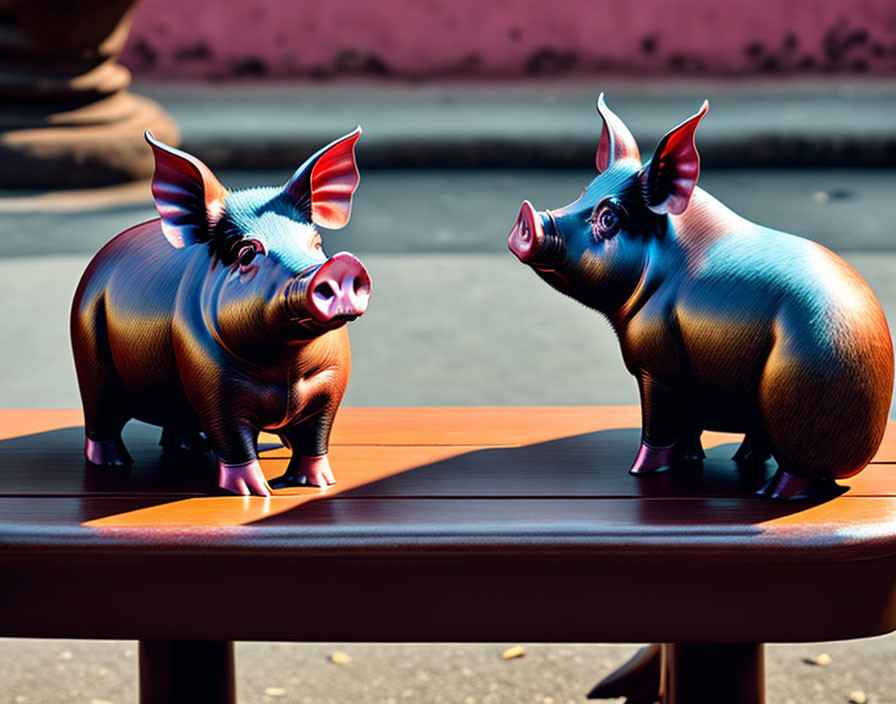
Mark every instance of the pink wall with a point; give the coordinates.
(464, 38)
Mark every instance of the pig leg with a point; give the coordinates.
(236, 446)
(660, 428)
(753, 450)
(309, 443)
(103, 422)
(693, 449)
(104, 401)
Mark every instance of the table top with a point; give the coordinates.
(444, 524)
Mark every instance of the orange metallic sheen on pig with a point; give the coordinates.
(224, 317)
(725, 324)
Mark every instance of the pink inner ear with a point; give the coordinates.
(676, 165)
(681, 160)
(622, 144)
(603, 150)
(334, 179)
(187, 195)
(176, 185)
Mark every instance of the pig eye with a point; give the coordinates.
(606, 220)
(248, 251)
(247, 254)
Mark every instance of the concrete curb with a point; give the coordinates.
(533, 124)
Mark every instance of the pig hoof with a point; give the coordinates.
(655, 459)
(790, 487)
(107, 453)
(244, 479)
(307, 471)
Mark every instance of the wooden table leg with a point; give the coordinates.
(182, 671)
(733, 673)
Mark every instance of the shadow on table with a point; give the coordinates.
(579, 470)
(588, 473)
(51, 464)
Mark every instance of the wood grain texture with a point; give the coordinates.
(471, 425)
(456, 521)
(429, 590)
(708, 529)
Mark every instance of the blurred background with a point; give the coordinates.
(468, 108)
(470, 40)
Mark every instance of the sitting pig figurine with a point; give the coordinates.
(224, 316)
(726, 325)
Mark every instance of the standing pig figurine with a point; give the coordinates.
(726, 325)
(224, 316)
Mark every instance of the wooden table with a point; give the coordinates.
(446, 524)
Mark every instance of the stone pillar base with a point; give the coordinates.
(97, 145)
(68, 120)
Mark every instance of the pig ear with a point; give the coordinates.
(324, 184)
(670, 178)
(189, 198)
(616, 142)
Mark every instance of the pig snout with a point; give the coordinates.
(533, 239)
(527, 236)
(339, 289)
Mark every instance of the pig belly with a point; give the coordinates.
(725, 366)
(147, 371)
(726, 413)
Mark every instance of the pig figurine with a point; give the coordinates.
(224, 316)
(725, 324)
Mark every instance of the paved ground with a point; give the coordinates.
(454, 318)
(535, 123)
(465, 210)
(82, 672)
